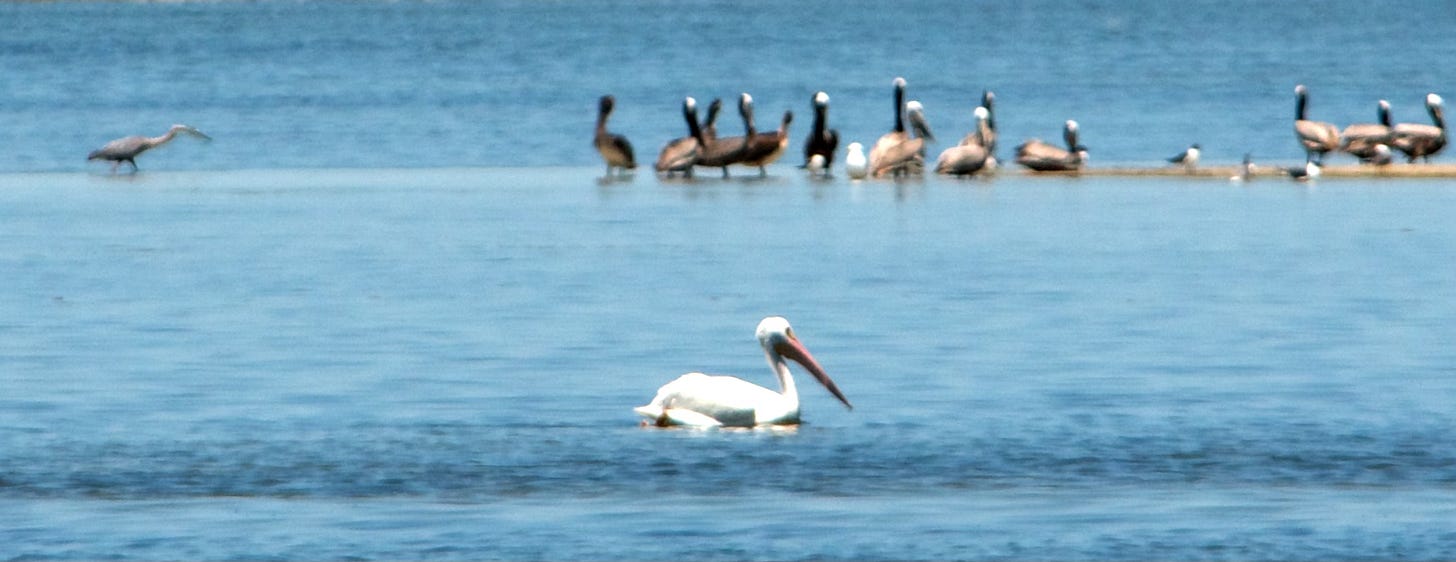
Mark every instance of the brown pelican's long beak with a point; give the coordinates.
(791, 348)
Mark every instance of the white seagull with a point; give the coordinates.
(1188, 158)
(854, 161)
(700, 400)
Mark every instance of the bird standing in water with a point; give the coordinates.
(1188, 158)
(615, 149)
(822, 141)
(128, 148)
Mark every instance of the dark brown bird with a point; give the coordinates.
(1422, 141)
(615, 149)
(822, 141)
(727, 151)
(764, 148)
(681, 155)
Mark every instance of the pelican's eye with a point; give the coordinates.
(790, 332)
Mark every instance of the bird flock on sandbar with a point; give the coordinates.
(902, 151)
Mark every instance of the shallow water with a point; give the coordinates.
(441, 364)
(393, 313)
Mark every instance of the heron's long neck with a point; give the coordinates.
(164, 139)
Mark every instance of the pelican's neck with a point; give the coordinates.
(786, 379)
(1299, 104)
(691, 115)
(748, 129)
(899, 109)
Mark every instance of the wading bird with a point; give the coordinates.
(1042, 157)
(971, 155)
(1188, 158)
(615, 149)
(1360, 139)
(822, 141)
(681, 154)
(700, 400)
(128, 148)
(726, 151)
(1419, 140)
(1317, 137)
(765, 148)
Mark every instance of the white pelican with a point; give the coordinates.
(615, 149)
(696, 399)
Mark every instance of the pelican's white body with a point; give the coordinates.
(700, 400)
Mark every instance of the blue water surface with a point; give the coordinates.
(392, 312)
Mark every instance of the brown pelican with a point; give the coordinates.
(855, 163)
(908, 155)
(700, 400)
(128, 148)
(988, 135)
(1419, 140)
(1188, 158)
(724, 152)
(971, 155)
(615, 149)
(1317, 137)
(897, 134)
(822, 140)
(681, 154)
(764, 148)
(1042, 157)
(1361, 139)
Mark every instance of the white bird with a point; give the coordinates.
(696, 399)
(1246, 169)
(855, 163)
(1382, 155)
(1310, 170)
(1188, 158)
